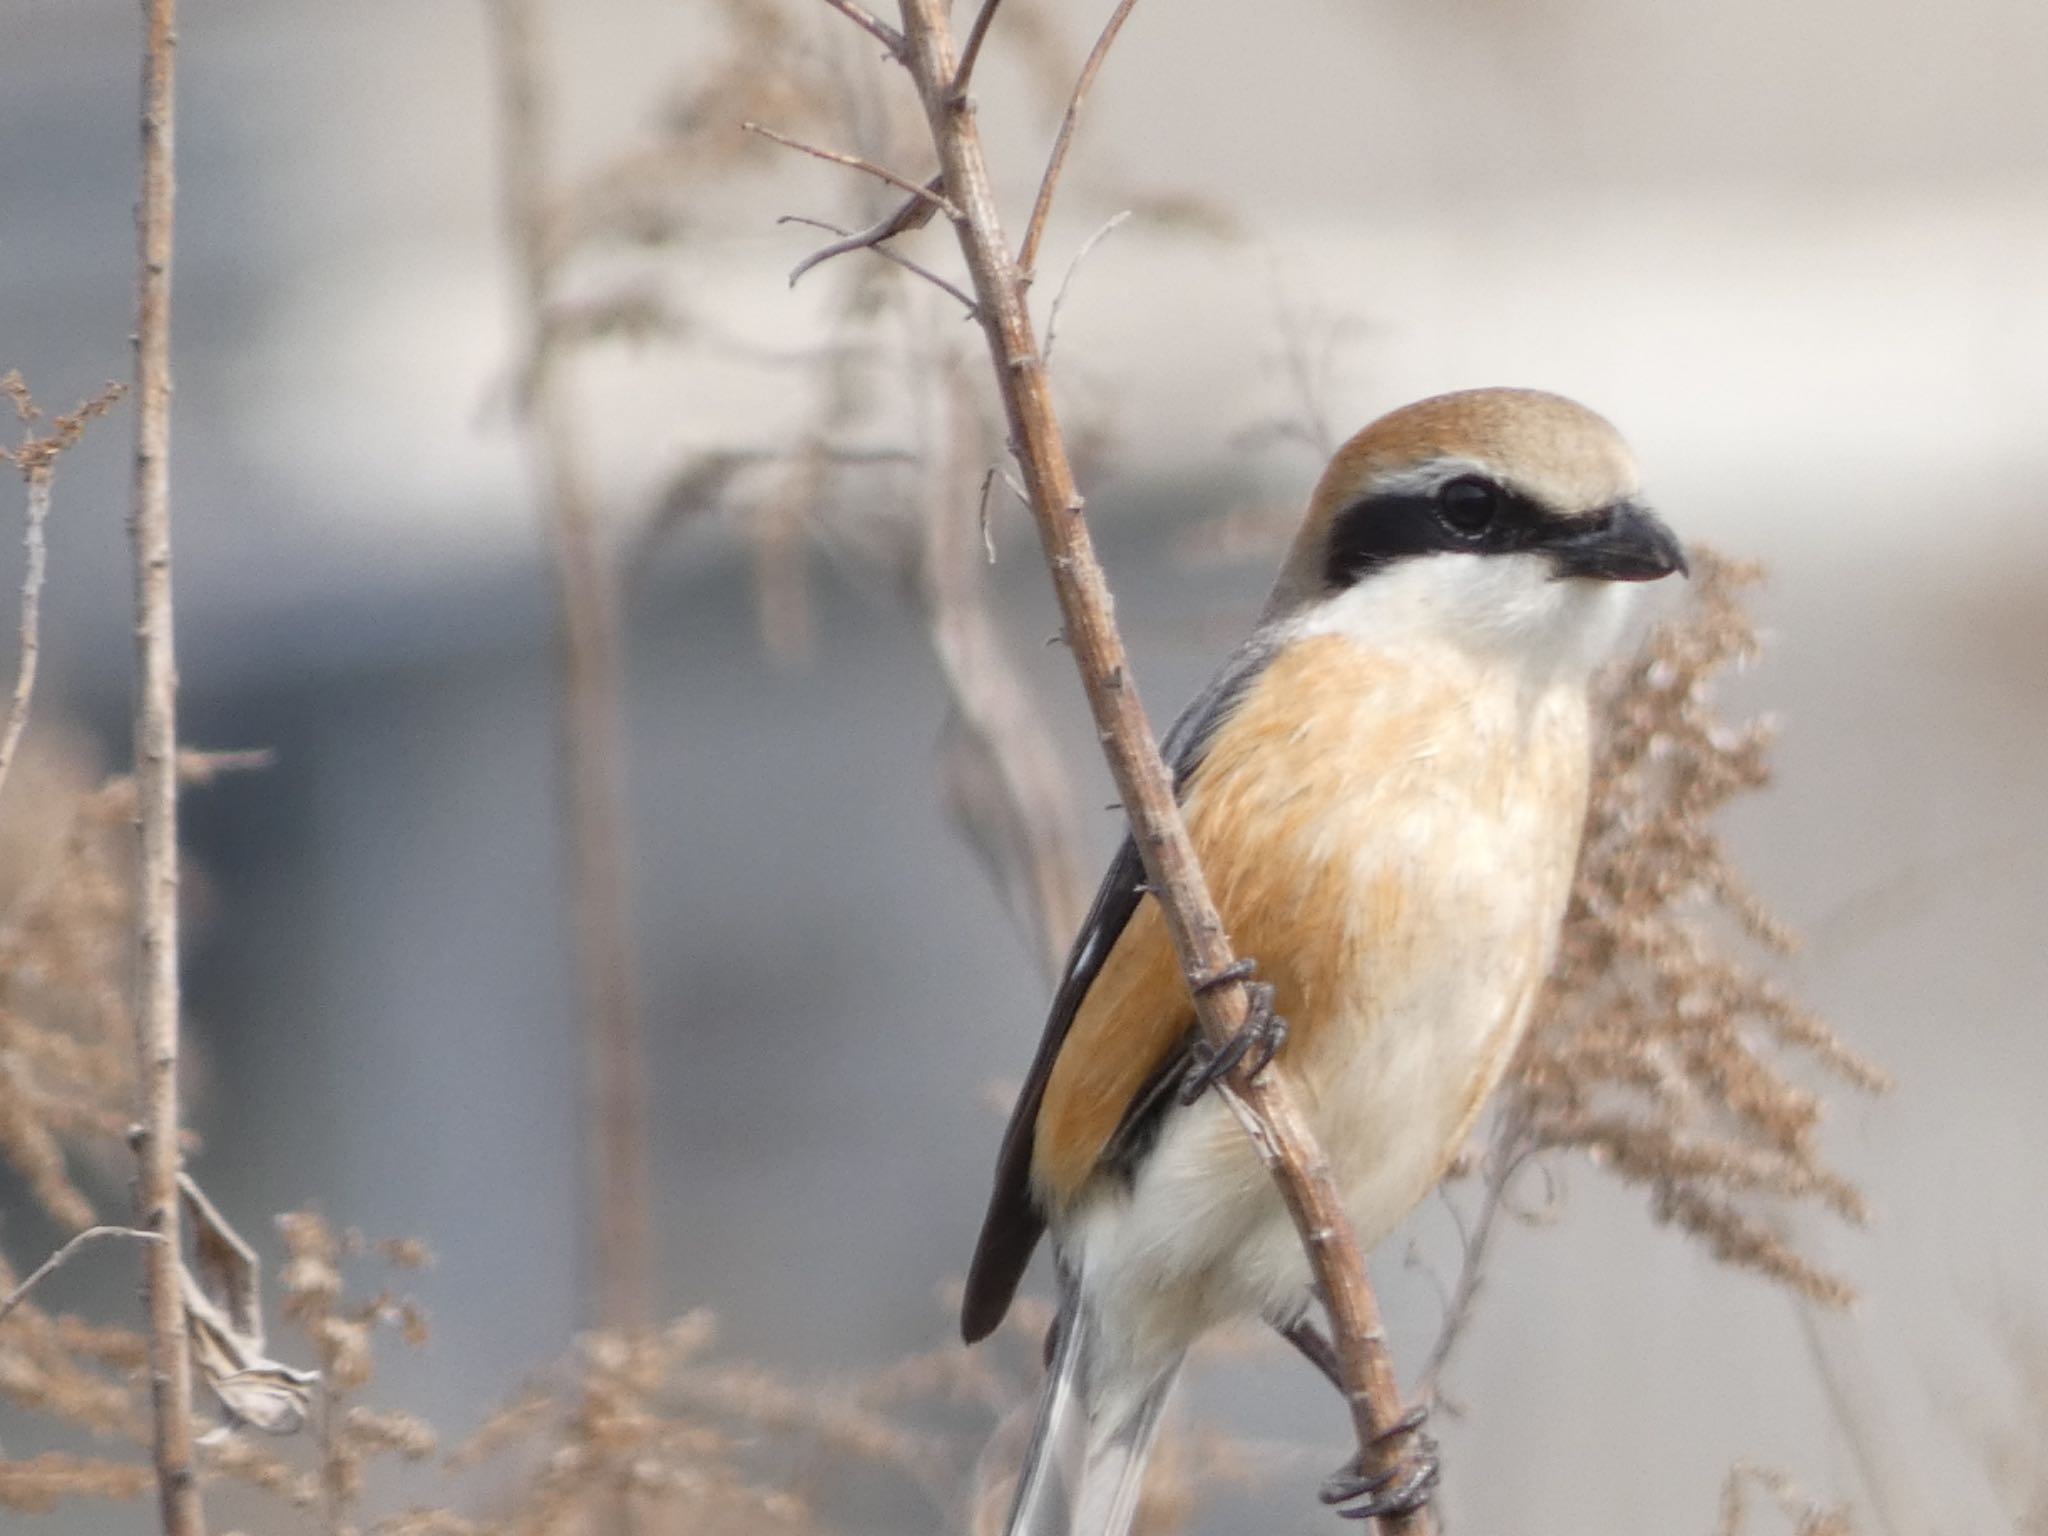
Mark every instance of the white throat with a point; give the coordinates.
(1496, 607)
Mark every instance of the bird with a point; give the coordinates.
(1385, 785)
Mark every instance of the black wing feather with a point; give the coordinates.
(1014, 1224)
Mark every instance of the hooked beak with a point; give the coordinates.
(1631, 545)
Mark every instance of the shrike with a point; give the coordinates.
(1386, 785)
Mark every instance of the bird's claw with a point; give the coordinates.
(1238, 970)
(1400, 1489)
(1257, 1040)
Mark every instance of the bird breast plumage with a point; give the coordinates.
(1391, 834)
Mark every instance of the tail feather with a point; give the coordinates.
(1085, 1466)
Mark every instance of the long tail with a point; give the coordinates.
(1086, 1463)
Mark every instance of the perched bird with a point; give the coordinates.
(1386, 785)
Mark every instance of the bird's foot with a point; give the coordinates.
(1238, 970)
(1400, 1489)
(1257, 1040)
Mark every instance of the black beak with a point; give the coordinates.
(1632, 544)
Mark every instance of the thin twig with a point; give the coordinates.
(1859, 1407)
(931, 191)
(1265, 1106)
(970, 52)
(36, 459)
(589, 724)
(34, 562)
(1041, 210)
(1052, 318)
(157, 1142)
(1005, 779)
(700, 490)
(873, 25)
(57, 1260)
(1310, 382)
(887, 254)
(910, 214)
(1512, 1148)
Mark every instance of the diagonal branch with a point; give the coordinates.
(861, 242)
(1509, 1149)
(1041, 210)
(970, 52)
(910, 214)
(873, 25)
(63, 1256)
(1265, 1106)
(929, 192)
(1059, 299)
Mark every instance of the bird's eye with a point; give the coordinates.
(1468, 505)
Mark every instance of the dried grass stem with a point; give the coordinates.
(157, 1142)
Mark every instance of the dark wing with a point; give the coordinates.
(1013, 1225)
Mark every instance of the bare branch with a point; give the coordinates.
(590, 776)
(31, 618)
(36, 459)
(700, 488)
(970, 53)
(1307, 377)
(1041, 210)
(1265, 1105)
(1052, 319)
(157, 1142)
(873, 25)
(1511, 1147)
(57, 1260)
(912, 213)
(886, 253)
(1003, 773)
(929, 191)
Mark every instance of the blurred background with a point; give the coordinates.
(1799, 253)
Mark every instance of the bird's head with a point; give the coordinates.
(1491, 516)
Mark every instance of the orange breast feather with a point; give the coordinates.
(1302, 748)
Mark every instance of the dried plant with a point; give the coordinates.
(77, 1375)
(1801, 1515)
(1662, 1048)
(67, 1055)
(67, 1052)
(322, 1485)
(35, 1486)
(590, 790)
(845, 478)
(2007, 1428)
(705, 1445)
(67, 1061)
(608, 1423)
(35, 458)
(66, 1040)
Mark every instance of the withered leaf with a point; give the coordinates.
(224, 1314)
